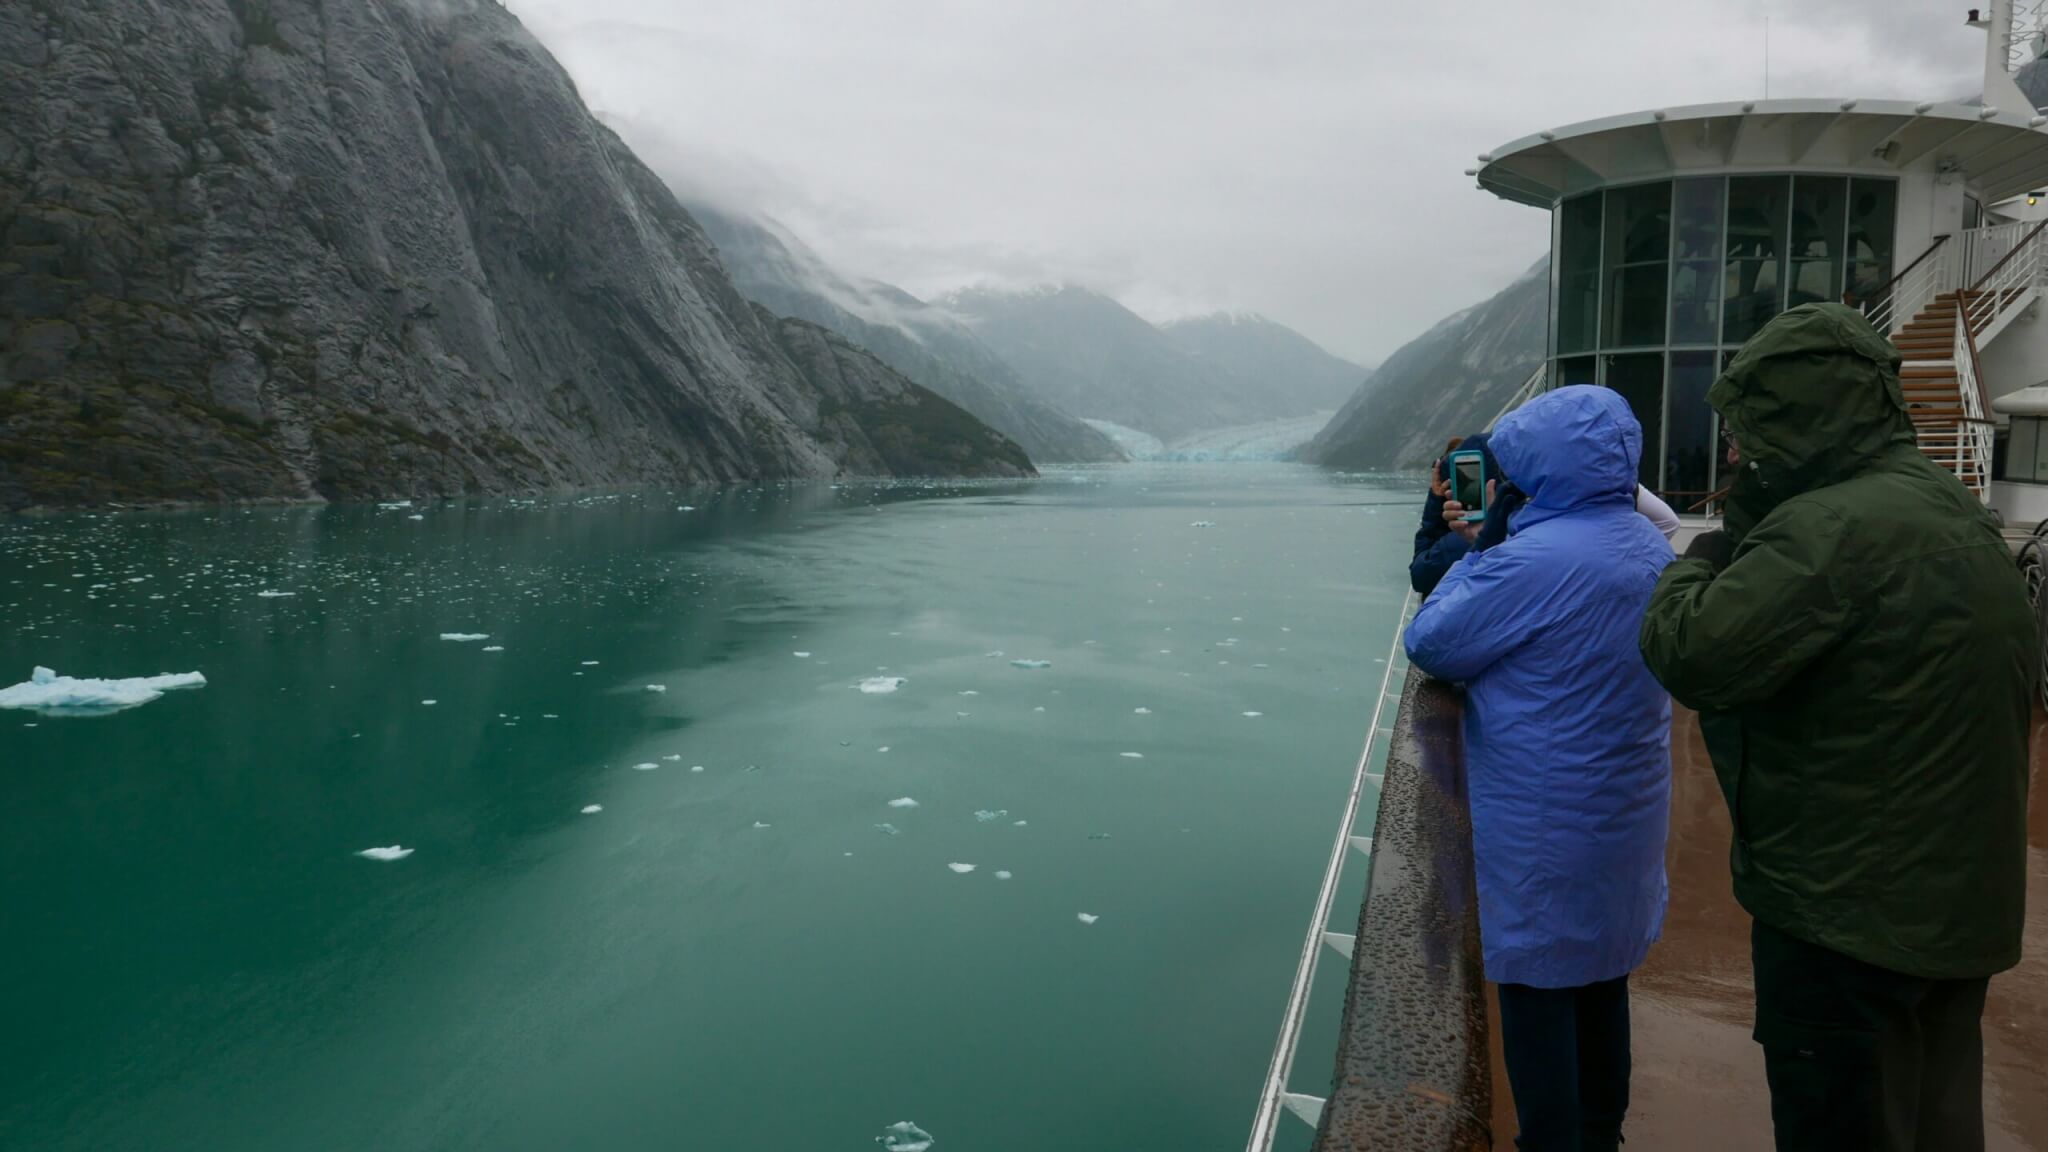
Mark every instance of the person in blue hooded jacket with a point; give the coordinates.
(1568, 750)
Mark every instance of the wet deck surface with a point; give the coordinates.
(1699, 1080)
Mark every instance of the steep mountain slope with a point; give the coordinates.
(1447, 382)
(292, 248)
(1255, 350)
(1089, 355)
(924, 343)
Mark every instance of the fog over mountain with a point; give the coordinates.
(1084, 353)
(300, 249)
(926, 344)
(1449, 381)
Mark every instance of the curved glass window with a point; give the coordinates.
(1658, 283)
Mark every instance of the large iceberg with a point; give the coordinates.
(45, 691)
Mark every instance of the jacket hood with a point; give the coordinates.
(1569, 448)
(1812, 399)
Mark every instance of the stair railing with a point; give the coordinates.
(1907, 293)
(1968, 449)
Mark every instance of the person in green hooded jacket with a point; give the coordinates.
(1861, 651)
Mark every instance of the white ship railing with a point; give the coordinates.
(1530, 387)
(1274, 1098)
(1914, 289)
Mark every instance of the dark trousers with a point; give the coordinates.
(1568, 1062)
(1862, 1059)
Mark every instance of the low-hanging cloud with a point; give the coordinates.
(1303, 158)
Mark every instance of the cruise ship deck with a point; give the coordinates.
(1699, 1081)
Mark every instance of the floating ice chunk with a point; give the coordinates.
(647, 767)
(1132, 755)
(970, 692)
(1002, 875)
(1040, 708)
(883, 748)
(45, 691)
(494, 648)
(903, 802)
(673, 757)
(590, 663)
(995, 655)
(415, 517)
(273, 594)
(1141, 711)
(687, 508)
(393, 852)
(962, 869)
(1255, 715)
(903, 1136)
(696, 767)
(801, 655)
(888, 829)
(1086, 917)
(1019, 823)
(987, 817)
(430, 703)
(657, 687)
(1030, 663)
(592, 809)
(549, 716)
(1098, 835)
(759, 824)
(879, 685)
(391, 505)
(1203, 524)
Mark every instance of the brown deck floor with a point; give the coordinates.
(1699, 1081)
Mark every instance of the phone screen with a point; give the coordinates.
(1467, 487)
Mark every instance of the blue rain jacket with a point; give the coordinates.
(1567, 735)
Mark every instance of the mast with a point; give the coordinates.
(2016, 33)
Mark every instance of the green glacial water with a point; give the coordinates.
(196, 958)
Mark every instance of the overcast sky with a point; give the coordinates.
(1299, 158)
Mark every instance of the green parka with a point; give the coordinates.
(1863, 666)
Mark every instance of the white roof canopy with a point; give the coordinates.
(2000, 154)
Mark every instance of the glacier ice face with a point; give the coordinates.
(393, 852)
(903, 1136)
(45, 691)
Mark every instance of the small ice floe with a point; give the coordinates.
(1030, 663)
(1002, 875)
(995, 655)
(273, 594)
(903, 1136)
(465, 637)
(1203, 524)
(45, 691)
(429, 703)
(761, 824)
(1132, 755)
(801, 655)
(883, 748)
(657, 687)
(1255, 715)
(494, 648)
(1040, 708)
(1261, 665)
(549, 716)
(592, 809)
(962, 869)
(987, 817)
(970, 692)
(686, 508)
(882, 685)
(647, 767)
(1098, 835)
(1019, 823)
(888, 829)
(673, 757)
(696, 767)
(394, 505)
(415, 516)
(1086, 917)
(392, 852)
(903, 802)
(1141, 711)
(590, 663)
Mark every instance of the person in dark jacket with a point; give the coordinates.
(1568, 756)
(1437, 546)
(1862, 655)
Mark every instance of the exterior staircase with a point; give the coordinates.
(1932, 381)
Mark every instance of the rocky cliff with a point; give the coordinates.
(925, 343)
(1449, 381)
(309, 248)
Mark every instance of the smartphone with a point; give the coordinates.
(1468, 482)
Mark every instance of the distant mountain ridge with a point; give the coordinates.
(1449, 381)
(1087, 354)
(925, 343)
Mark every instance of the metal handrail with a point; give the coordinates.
(1530, 387)
(1993, 233)
(1924, 279)
(1272, 1098)
(1885, 292)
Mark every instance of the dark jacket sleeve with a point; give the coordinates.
(1436, 547)
(1723, 640)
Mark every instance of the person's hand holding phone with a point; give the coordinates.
(1454, 515)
